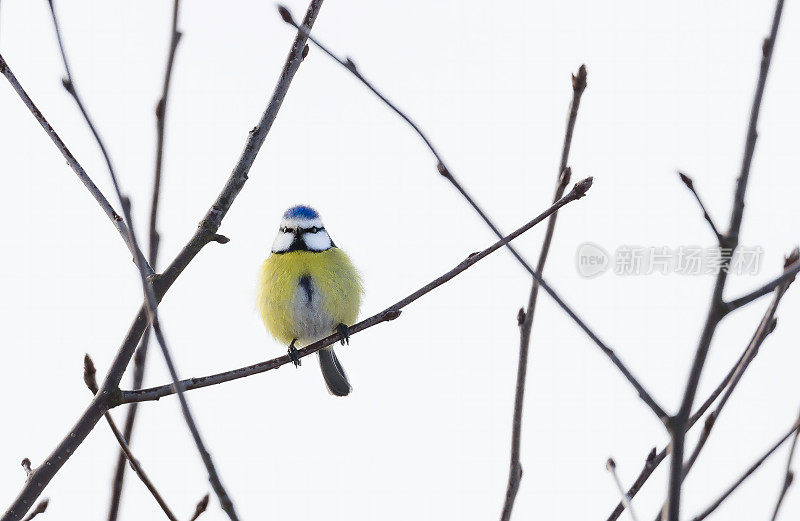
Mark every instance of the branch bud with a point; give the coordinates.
(579, 80)
(286, 14)
(581, 187)
(565, 177)
(89, 374)
(26, 464)
(686, 180)
(651, 457)
(390, 314)
(40, 508)
(202, 505)
(793, 257)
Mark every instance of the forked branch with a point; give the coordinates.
(727, 385)
(89, 379)
(679, 424)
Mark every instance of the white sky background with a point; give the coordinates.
(426, 433)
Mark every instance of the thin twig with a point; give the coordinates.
(137, 468)
(788, 476)
(787, 480)
(113, 216)
(213, 476)
(390, 313)
(118, 478)
(562, 180)
(753, 468)
(678, 425)
(140, 358)
(89, 379)
(611, 466)
(447, 173)
(206, 233)
(690, 185)
(789, 273)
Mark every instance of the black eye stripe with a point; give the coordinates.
(313, 229)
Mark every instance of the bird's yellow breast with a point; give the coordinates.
(331, 273)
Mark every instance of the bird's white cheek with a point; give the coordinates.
(319, 241)
(282, 242)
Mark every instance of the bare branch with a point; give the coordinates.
(213, 475)
(679, 424)
(72, 89)
(562, 180)
(151, 301)
(789, 474)
(205, 233)
(611, 466)
(690, 185)
(787, 482)
(119, 472)
(765, 327)
(789, 273)
(89, 373)
(140, 358)
(348, 64)
(113, 216)
(137, 468)
(753, 468)
(150, 307)
(390, 313)
(654, 459)
(788, 477)
(161, 115)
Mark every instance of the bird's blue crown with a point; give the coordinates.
(301, 211)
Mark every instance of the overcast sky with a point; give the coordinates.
(426, 433)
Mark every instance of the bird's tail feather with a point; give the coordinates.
(332, 371)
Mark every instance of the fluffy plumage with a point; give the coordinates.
(308, 288)
(309, 311)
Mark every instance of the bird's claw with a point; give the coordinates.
(293, 354)
(343, 330)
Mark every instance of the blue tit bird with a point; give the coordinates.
(309, 289)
